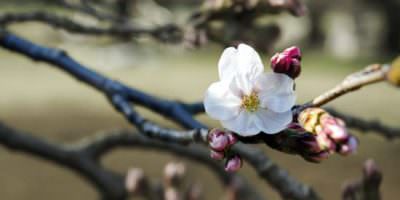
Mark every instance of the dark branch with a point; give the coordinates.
(367, 188)
(82, 157)
(167, 33)
(288, 187)
(109, 184)
(121, 96)
(85, 8)
(367, 125)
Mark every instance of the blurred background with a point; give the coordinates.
(336, 37)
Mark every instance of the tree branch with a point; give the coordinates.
(367, 125)
(84, 7)
(367, 188)
(121, 96)
(109, 184)
(167, 33)
(83, 157)
(369, 75)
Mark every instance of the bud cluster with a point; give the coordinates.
(220, 142)
(330, 135)
(287, 62)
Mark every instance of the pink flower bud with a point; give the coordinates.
(218, 140)
(216, 155)
(325, 143)
(232, 139)
(312, 146)
(349, 147)
(233, 164)
(335, 128)
(135, 181)
(174, 173)
(287, 62)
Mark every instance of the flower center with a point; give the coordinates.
(251, 102)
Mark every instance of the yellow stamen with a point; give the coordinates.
(251, 102)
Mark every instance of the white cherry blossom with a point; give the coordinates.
(245, 99)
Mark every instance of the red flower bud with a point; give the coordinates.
(218, 140)
(232, 139)
(349, 147)
(216, 155)
(233, 164)
(334, 127)
(325, 143)
(221, 140)
(287, 62)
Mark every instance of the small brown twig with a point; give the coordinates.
(370, 74)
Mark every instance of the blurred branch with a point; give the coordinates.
(288, 187)
(368, 187)
(84, 7)
(79, 157)
(367, 125)
(238, 19)
(167, 33)
(121, 96)
(109, 184)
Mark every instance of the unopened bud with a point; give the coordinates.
(310, 144)
(174, 173)
(287, 62)
(349, 147)
(309, 119)
(171, 194)
(217, 155)
(135, 181)
(218, 140)
(334, 127)
(325, 143)
(233, 163)
(372, 172)
(221, 140)
(393, 76)
(232, 139)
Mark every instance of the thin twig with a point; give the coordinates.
(371, 74)
(167, 33)
(84, 7)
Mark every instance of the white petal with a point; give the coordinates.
(243, 124)
(249, 68)
(220, 103)
(275, 83)
(248, 61)
(278, 102)
(271, 122)
(227, 64)
(276, 92)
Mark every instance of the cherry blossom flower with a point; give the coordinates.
(246, 100)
